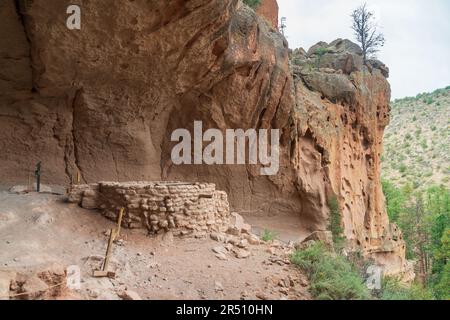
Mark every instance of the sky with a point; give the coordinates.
(417, 32)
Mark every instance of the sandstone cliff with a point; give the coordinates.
(104, 100)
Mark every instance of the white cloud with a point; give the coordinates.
(417, 33)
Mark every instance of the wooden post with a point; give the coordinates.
(112, 235)
(119, 222)
(78, 177)
(104, 272)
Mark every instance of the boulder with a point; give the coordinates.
(335, 87)
(377, 64)
(241, 253)
(238, 225)
(312, 51)
(253, 239)
(345, 45)
(326, 237)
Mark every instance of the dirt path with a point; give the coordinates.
(37, 230)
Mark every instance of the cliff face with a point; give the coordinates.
(105, 99)
(341, 111)
(269, 10)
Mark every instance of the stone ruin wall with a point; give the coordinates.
(183, 208)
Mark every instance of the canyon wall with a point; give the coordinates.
(269, 10)
(104, 100)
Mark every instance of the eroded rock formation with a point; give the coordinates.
(341, 110)
(104, 100)
(269, 10)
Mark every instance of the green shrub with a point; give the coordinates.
(269, 235)
(402, 168)
(441, 279)
(252, 3)
(320, 52)
(392, 289)
(335, 225)
(424, 144)
(331, 277)
(442, 287)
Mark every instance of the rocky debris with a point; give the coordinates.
(291, 286)
(243, 244)
(281, 261)
(252, 239)
(221, 256)
(326, 237)
(219, 249)
(238, 239)
(241, 253)
(42, 285)
(262, 296)
(34, 288)
(219, 237)
(221, 253)
(238, 225)
(244, 295)
(101, 289)
(129, 295)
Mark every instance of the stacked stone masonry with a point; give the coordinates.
(182, 208)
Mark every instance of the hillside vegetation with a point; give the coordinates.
(417, 141)
(416, 170)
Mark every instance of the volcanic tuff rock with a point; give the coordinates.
(269, 10)
(105, 99)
